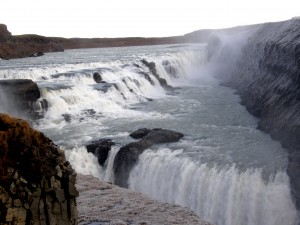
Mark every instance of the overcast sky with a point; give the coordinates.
(132, 18)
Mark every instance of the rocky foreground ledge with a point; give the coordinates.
(111, 205)
(37, 184)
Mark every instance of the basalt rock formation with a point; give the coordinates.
(129, 154)
(37, 184)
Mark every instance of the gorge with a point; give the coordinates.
(224, 169)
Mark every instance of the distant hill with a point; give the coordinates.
(31, 45)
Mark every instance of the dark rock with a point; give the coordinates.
(140, 133)
(147, 77)
(162, 81)
(67, 117)
(22, 96)
(4, 33)
(128, 155)
(97, 77)
(159, 136)
(151, 66)
(101, 149)
(38, 54)
(26, 90)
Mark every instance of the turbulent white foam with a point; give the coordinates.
(76, 91)
(84, 162)
(223, 196)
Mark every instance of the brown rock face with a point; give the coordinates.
(37, 185)
(4, 33)
(21, 98)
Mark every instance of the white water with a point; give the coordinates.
(221, 195)
(226, 170)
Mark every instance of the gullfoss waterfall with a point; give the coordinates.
(224, 169)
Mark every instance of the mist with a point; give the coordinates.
(225, 48)
(8, 105)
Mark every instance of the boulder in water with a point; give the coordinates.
(101, 149)
(129, 154)
(140, 133)
(97, 77)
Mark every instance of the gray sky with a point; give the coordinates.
(132, 18)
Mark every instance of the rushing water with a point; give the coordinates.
(224, 169)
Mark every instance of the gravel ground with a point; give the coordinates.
(101, 203)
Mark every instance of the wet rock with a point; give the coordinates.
(147, 77)
(128, 155)
(24, 89)
(97, 77)
(67, 117)
(101, 149)
(23, 96)
(162, 81)
(140, 133)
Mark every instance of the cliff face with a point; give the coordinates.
(267, 77)
(25, 45)
(21, 97)
(4, 33)
(37, 185)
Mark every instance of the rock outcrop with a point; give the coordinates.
(37, 184)
(162, 81)
(97, 77)
(111, 205)
(5, 35)
(25, 45)
(128, 155)
(267, 77)
(100, 148)
(22, 97)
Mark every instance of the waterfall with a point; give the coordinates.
(222, 195)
